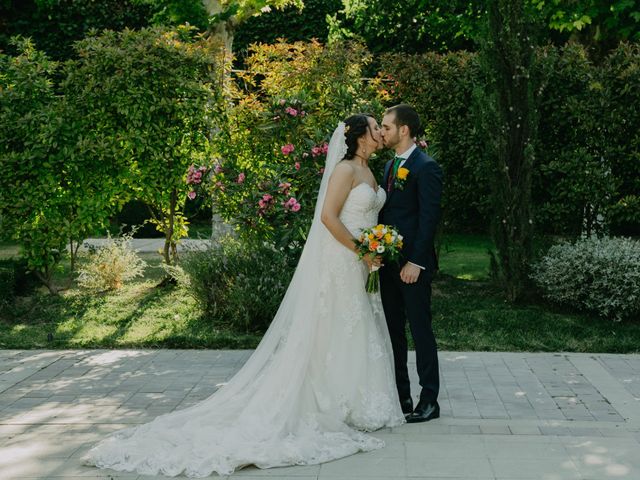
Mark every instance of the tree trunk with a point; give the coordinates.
(507, 117)
(222, 30)
(45, 278)
(73, 253)
(170, 252)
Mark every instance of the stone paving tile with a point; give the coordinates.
(504, 415)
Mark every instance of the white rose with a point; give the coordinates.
(400, 237)
(380, 249)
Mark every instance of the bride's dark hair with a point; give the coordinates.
(354, 127)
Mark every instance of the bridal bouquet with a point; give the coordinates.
(380, 241)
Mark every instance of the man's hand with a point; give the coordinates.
(409, 273)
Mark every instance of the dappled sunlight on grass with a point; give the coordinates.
(467, 276)
(465, 256)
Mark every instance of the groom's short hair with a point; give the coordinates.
(406, 115)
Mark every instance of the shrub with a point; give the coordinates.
(270, 153)
(111, 265)
(237, 285)
(7, 286)
(597, 275)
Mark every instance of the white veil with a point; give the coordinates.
(336, 152)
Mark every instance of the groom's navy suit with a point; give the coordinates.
(415, 211)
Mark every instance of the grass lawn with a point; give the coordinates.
(469, 314)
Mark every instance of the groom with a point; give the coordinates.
(413, 182)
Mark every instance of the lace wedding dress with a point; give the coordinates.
(321, 376)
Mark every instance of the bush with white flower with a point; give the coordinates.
(599, 275)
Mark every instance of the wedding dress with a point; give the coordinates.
(321, 376)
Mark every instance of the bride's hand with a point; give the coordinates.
(372, 262)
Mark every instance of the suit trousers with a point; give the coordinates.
(412, 302)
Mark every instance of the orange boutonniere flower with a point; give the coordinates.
(401, 178)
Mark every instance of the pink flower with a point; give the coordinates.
(284, 187)
(267, 198)
(217, 169)
(303, 113)
(241, 178)
(291, 111)
(198, 175)
(423, 144)
(287, 149)
(325, 148)
(316, 151)
(191, 195)
(261, 203)
(296, 207)
(220, 186)
(297, 165)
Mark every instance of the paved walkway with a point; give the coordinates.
(504, 415)
(150, 245)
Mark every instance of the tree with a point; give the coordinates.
(507, 119)
(55, 24)
(410, 26)
(151, 98)
(226, 15)
(55, 187)
(597, 24)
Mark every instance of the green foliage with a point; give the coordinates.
(410, 26)
(621, 126)
(596, 275)
(588, 170)
(238, 285)
(441, 87)
(53, 187)
(55, 24)
(323, 82)
(596, 23)
(151, 99)
(290, 23)
(506, 117)
(177, 12)
(7, 287)
(573, 182)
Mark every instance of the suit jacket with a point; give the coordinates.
(415, 209)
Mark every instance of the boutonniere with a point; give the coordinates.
(401, 178)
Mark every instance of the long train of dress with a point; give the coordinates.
(321, 377)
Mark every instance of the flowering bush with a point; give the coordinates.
(111, 265)
(269, 157)
(597, 275)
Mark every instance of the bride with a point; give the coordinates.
(323, 373)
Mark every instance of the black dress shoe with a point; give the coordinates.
(424, 412)
(407, 405)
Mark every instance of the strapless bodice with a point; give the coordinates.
(361, 208)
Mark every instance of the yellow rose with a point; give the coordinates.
(387, 238)
(403, 173)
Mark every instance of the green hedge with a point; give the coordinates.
(588, 153)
